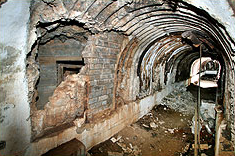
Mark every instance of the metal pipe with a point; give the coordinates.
(197, 112)
(199, 97)
(219, 118)
(217, 123)
(195, 132)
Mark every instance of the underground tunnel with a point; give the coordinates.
(128, 77)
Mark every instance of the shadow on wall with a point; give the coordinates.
(70, 148)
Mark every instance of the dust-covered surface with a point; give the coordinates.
(164, 131)
(181, 101)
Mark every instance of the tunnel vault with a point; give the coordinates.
(131, 50)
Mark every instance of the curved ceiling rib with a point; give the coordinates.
(149, 24)
(142, 20)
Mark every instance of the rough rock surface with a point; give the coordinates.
(67, 102)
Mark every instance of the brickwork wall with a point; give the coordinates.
(48, 55)
(101, 56)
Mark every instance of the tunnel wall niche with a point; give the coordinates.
(57, 59)
(88, 89)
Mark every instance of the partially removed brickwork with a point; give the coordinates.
(101, 56)
(93, 95)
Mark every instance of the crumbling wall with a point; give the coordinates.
(67, 103)
(107, 22)
(53, 58)
(100, 58)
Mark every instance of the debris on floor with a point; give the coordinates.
(203, 146)
(180, 100)
(164, 131)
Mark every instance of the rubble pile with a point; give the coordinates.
(180, 100)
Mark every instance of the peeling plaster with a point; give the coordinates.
(15, 128)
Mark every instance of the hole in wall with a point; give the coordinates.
(57, 77)
(57, 53)
(65, 68)
(57, 60)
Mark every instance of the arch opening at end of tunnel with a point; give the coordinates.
(210, 72)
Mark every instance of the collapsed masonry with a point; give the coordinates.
(99, 64)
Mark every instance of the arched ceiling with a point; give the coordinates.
(148, 21)
(155, 28)
(145, 19)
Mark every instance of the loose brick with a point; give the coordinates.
(104, 102)
(93, 100)
(104, 97)
(114, 45)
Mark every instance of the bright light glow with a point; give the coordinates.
(194, 74)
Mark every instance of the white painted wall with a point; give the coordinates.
(14, 106)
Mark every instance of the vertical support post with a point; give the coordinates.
(219, 118)
(199, 97)
(197, 111)
(195, 133)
